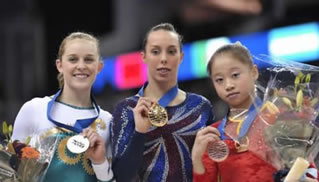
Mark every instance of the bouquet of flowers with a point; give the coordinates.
(25, 161)
(285, 127)
(292, 128)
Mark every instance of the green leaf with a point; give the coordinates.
(308, 77)
(297, 82)
(5, 130)
(27, 141)
(11, 148)
(299, 100)
(10, 129)
(300, 75)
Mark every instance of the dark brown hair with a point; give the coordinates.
(163, 26)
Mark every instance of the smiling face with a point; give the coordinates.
(79, 64)
(163, 56)
(234, 80)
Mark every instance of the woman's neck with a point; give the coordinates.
(237, 114)
(78, 99)
(156, 91)
(241, 110)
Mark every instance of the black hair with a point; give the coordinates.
(237, 50)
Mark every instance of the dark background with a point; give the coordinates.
(31, 31)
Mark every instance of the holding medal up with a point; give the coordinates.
(233, 75)
(154, 110)
(73, 115)
(220, 152)
(153, 131)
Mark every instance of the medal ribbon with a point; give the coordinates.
(80, 124)
(252, 113)
(166, 98)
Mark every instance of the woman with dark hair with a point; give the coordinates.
(153, 132)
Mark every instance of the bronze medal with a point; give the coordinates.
(218, 151)
(157, 115)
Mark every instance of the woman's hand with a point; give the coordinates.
(96, 150)
(203, 137)
(140, 111)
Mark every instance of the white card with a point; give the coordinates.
(78, 144)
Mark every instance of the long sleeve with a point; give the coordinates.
(24, 122)
(163, 153)
(103, 172)
(127, 144)
(210, 174)
(211, 169)
(127, 166)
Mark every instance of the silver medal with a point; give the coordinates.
(78, 144)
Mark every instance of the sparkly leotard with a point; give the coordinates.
(162, 154)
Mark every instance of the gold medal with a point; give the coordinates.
(242, 146)
(157, 115)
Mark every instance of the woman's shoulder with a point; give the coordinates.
(37, 101)
(129, 101)
(196, 98)
(34, 108)
(105, 114)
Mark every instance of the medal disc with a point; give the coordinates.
(218, 151)
(78, 144)
(157, 115)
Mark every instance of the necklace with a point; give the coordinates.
(242, 138)
(237, 114)
(75, 107)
